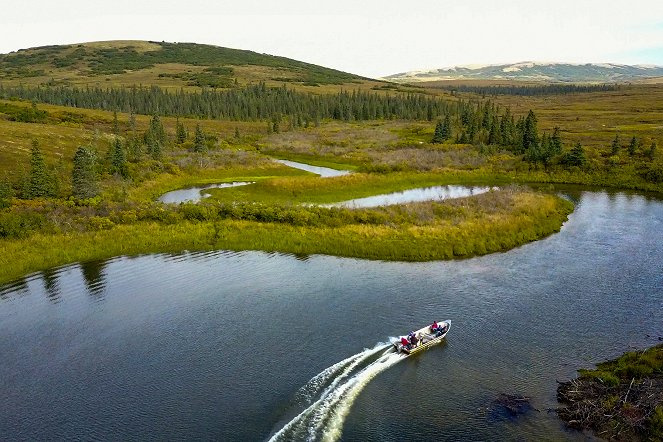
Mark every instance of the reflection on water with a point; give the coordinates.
(195, 194)
(187, 346)
(51, 285)
(413, 195)
(93, 273)
(324, 172)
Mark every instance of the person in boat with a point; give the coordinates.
(413, 339)
(434, 327)
(441, 329)
(405, 343)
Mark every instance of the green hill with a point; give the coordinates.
(125, 63)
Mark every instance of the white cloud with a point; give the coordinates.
(371, 37)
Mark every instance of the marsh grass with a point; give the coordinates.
(493, 222)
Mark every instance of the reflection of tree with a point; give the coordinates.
(13, 289)
(93, 272)
(301, 257)
(51, 285)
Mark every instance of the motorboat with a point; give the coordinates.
(425, 337)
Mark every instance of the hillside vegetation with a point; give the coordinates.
(127, 63)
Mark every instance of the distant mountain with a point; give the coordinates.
(530, 71)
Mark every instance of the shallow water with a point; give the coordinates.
(435, 193)
(234, 346)
(195, 194)
(324, 172)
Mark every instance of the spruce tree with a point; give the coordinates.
(633, 146)
(40, 181)
(181, 133)
(199, 140)
(615, 145)
(651, 153)
(446, 127)
(555, 143)
(530, 136)
(84, 174)
(438, 136)
(576, 157)
(119, 159)
(237, 136)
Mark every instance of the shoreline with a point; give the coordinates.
(622, 399)
(488, 223)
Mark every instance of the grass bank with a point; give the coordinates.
(492, 222)
(621, 399)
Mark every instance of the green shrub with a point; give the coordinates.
(21, 225)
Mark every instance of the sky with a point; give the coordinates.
(365, 37)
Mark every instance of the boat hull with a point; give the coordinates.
(426, 339)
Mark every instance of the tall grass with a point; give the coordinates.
(497, 222)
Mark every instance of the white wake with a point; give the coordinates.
(336, 389)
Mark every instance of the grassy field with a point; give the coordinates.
(489, 223)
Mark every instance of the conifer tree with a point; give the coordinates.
(651, 153)
(633, 146)
(615, 145)
(530, 136)
(40, 181)
(199, 140)
(237, 135)
(555, 143)
(119, 159)
(84, 174)
(438, 136)
(154, 149)
(181, 133)
(446, 127)
(576, 157)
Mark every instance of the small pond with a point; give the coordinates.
(413, 195)
(196, 194)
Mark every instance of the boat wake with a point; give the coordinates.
(330, 394)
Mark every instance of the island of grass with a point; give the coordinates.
(43, 234)
(621, 399)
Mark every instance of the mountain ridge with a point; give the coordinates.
(535, 71)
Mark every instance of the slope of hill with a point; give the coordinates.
(164, 64)
(530, 71)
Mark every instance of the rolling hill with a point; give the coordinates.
(531, 71)
(127, 63)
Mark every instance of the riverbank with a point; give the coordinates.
(621, 399)
(478, 225)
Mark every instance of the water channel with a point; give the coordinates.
(235, 346)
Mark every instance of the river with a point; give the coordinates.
(234, 346)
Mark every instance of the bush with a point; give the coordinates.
(20, 225)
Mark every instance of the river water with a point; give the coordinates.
(248, 346)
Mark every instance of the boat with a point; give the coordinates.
(425, 337)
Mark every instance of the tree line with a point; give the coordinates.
(531, 91)
(251, 103)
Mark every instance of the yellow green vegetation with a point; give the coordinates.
(170, 65)
(40, 235)
(621, 399)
